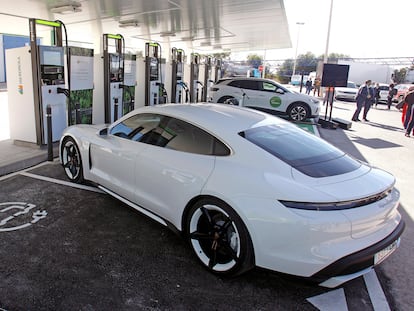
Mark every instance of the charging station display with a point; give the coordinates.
(81, 93)
(130, 82)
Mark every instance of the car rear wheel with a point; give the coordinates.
(298, 112)
(219, 238)
(223, 99)
(71, 160)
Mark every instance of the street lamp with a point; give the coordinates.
(325, 58)
(297, 44)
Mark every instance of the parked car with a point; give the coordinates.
(402, 89)
(244, 188)
(265, 95)
(383, 93)
(347, 93)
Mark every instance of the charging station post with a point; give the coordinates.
(178, 86)
(155, 92)
(36, 78)
(113, 77)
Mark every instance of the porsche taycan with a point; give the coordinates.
(244, 188)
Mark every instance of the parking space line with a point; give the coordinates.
(19, 172)
(62, 182)
(376, 294)
(334, 300)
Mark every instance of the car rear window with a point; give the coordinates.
(303, 151)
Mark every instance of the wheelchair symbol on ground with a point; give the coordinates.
(19, 215)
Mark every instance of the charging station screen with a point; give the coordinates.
(179, 70)
(153, 69)
(53, 58)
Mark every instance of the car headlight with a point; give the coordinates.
(315, 101)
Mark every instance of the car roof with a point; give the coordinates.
(219, 118)
(247, 78)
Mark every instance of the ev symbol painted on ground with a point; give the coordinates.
(19, 215)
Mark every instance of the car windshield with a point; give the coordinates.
(351, 85)
(303, 151)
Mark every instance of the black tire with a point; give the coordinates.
(221, 100)
(219, 238)
(298, 112)
(71, 160)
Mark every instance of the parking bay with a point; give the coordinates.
(69, 248)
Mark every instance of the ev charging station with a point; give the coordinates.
(179, 89)
(155, 92)
(113, 77)
(218, 69)
(196, 87)
(207, 81)
(36, 79)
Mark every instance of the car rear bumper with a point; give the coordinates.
(356, 264)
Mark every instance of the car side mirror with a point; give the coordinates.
(280, 91)
(103, 132)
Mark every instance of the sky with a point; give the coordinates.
(359, 28)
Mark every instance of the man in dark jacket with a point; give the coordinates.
(391, 93)
(409, 117)
(364, 95)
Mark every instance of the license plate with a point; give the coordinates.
(382, 254)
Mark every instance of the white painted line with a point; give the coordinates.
(334, 300)
(25, 170)
(62, 182)
(376, 294)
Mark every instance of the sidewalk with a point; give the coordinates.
(15, 157)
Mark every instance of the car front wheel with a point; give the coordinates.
(298, 112)
(219, 238)
(71, 160)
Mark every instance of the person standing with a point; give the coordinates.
(317, 86)
(377, 93)
(368, 102)
(308, 86)
(364, 94)
(391, 93)
(409, 116)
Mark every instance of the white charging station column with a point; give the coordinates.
(36, 79)
(113, 77)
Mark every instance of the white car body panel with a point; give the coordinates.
(348, 93)
(183, 174)
(289, 240)
(278, 100)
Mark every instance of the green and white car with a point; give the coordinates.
(264, 95)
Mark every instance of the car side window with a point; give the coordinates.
(248, 84)
(192, 139)
(269, 87)
(137, 126)
(171, 133)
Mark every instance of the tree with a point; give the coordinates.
(305, 63)
(254, 60)
(399, 75)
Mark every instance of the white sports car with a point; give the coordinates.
(244, 187)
